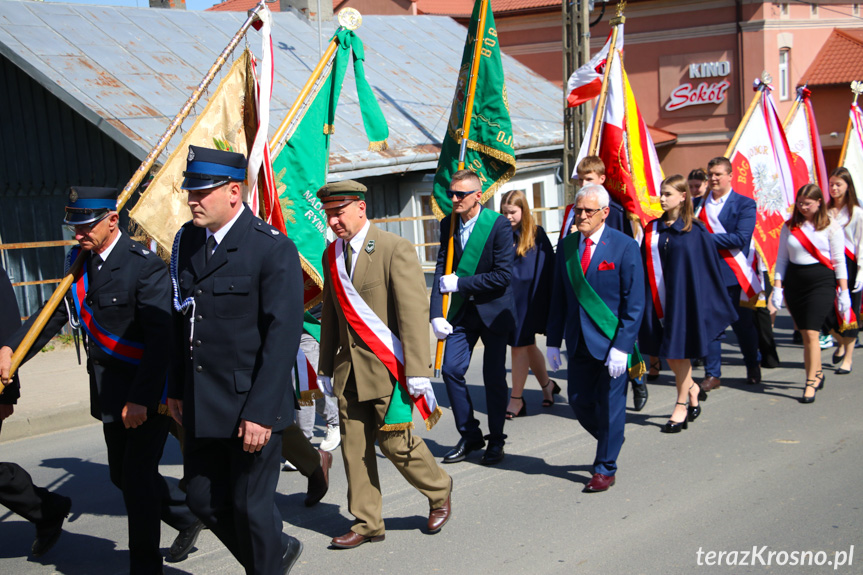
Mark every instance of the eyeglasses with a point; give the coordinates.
(590, 213)
(85, 228)
(460, 195)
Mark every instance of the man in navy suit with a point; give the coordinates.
(605, 265)
(238, 319)
(481, 307)
(737, 214)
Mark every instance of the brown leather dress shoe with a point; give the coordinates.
(710, 383)
(438, 517)
(599, 482)
(319, 480)
(353, 539)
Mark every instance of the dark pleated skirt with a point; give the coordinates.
(809, 292)
(832, 322)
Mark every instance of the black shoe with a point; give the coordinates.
(494, 454)
(521, 412)
(672, 427)
(822, 379)
(753, 375)
(292, 552)
(657, 365)
(48, 532)
(843, 371)
(184, 542)
(836, 357)
(461, 449)
(639, 395)
(809, 383)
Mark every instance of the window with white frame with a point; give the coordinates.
(784, 74)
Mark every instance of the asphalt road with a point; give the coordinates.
(756, 470)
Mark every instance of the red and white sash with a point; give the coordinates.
(742, 266)
(655, 277)
(307, 380)
(816, 246)
(374, 332)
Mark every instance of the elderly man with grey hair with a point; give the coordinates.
(598, 302)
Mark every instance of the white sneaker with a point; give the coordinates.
(333, 438)
(826, 341)
(288, 466)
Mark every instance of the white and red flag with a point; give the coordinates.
(632, 171)
(853, 158)
(765, 170)
(801, 130)
(586, 82)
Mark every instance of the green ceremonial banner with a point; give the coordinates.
(301, 160)
(490, 152)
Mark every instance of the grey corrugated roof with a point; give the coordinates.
(129, 71)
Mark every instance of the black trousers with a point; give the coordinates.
(233, 493)
(133, 462)
(17, 492)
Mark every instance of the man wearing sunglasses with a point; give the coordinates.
(121, 298)
(597, 302)
(481, 306)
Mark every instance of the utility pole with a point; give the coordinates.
(576, 53)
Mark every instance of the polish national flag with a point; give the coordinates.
(801, 130)
(586, 82)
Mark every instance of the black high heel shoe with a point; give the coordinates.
(521, 412)
(554, 391)
(805, 399)
(692, 411)
(674, 426)
(823, 379)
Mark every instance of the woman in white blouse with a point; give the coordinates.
(844, 209)
(810, 262)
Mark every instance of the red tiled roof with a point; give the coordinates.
(661, 137)
(463, 8)
(840, 60)
(240, 6)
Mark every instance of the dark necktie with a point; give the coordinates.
(349, 256)
(585, 257)
(211, 247)
(95, 262)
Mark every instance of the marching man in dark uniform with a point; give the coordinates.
(375, 356)
(122, 298)
(44, 509)
(238, 300)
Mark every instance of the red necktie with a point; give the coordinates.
(585, 257)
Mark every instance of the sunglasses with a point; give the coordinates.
(590, 213)
(460, 195)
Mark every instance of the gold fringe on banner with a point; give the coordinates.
(329, 129)
(378, 146)
(637, 370)
(434, 418)
(394, 427)
(309, 396)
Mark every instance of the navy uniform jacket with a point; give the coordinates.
(130, 297)
(620, 285)
(10, 321)
(490, 285)
(738, 218)
(248, 320)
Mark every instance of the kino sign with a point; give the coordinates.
(705, 92)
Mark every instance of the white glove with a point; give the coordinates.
(418, 386)
(448, 284)
(844, 301)
(776, 297)
(441, 327)
(325, 384)
(553, 355)
(616, 362)
(858, 284)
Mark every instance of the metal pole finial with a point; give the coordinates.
(350, 18)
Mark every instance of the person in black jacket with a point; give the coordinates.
(238, 301)
(44, 509)
(122, 296)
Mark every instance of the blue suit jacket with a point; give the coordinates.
(621, 288)
(738, 218)
(490, 284)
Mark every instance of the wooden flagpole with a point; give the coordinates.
(49, 308)
(465, 136)
(731, 145)
(603, 94)
(857, 89)
(794, 107)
